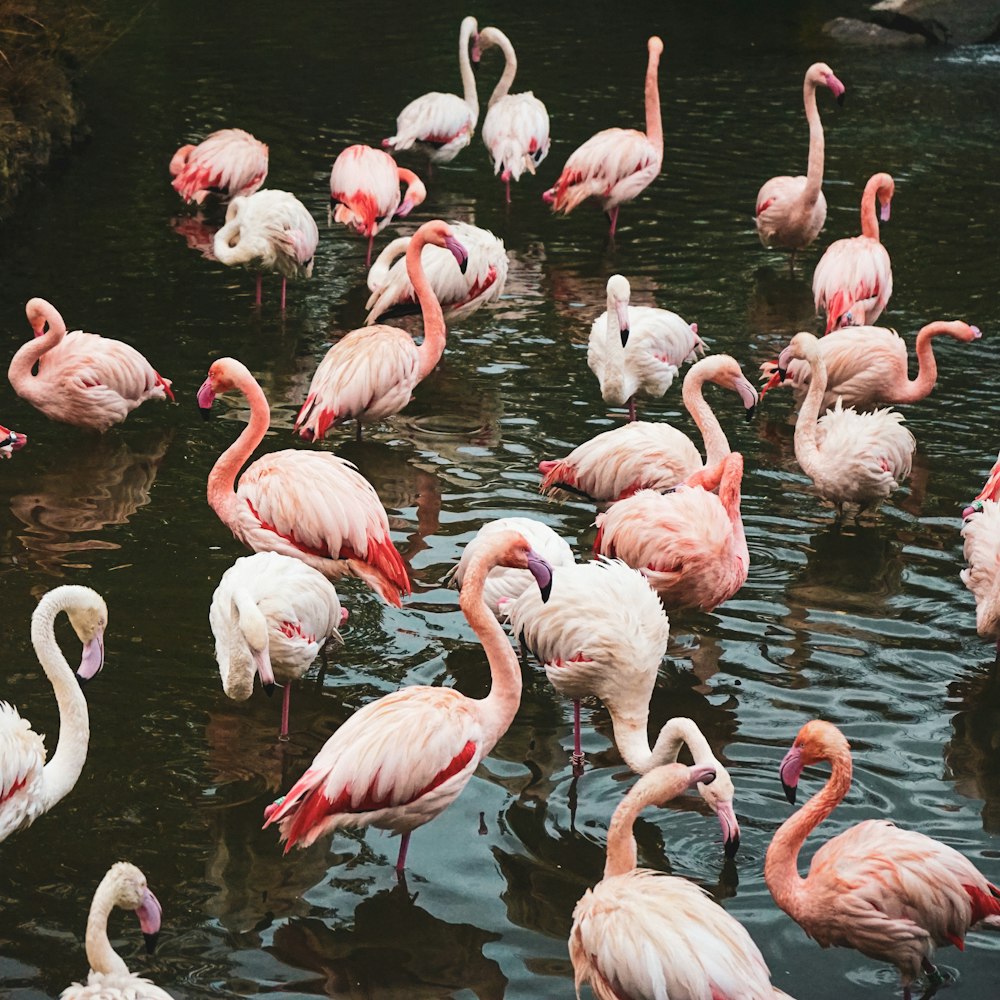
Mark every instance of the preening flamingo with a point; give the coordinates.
(791, 210)
(228, 163)
(640, 455)
(364, 185)
(516, 126)
(310, 505)
(851, 457)
(441, 125)
(10, 441)
(892, 894)
(853, 279)
(28, 785)
(272, 615)
(640, 934)
(981, 533)
(617, 164)
(460, 291)
(371, 373)
(638, 350)
(403, 759)
(125, 886)
(269, 231)
(867, 365)
(689, 544)
(83, 379)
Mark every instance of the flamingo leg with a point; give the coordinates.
(506, 179)
(359, 430)
(368, 258)
(284, 282)
(613, 216)
(404, 843)
(578, 758)
(525, 662)
(258, 299)
(285, 702)
(632, 415)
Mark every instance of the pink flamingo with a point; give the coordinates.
(689, 544)
(640, 455)
(403, 759)
(640, 934)
(615, 165)
(853, 279)
(371, 373)
(636, 349)
(10, 441)
(268, 231)
(868, 365)
(441, 125)
(892, 894)
(310, 505)
(981, 533)
(791, 210)
(83, 379)
(272, 615)
(227, 163)
(364, 185)
(28, 785)
(459, 290)
(516, 126)
(125, 886)
(851, 457)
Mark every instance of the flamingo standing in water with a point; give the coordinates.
(227, 163)
(28, 785)
(636, 349)
(403, 759)
(459, 290)
(10, 441)
(791, 210)
(83, 379)
(124, 886)
(892, 894)
(853, 279)
(640, 455)
(364, 185)
(516, 126)
(268, 231)
(851, 457)
(640, 934)
(441, 125)
(689, 544)
(371, 373)
(272, 615)
(309, 505)
(615, 165)
(981, 533)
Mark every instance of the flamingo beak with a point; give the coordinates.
(149, 913)
(542, 572)
(730, 829)
(621, 310)
(206, 396)
(884, 211)
(974, 508)
(784, 359)
(262, 661)
(92, 659)
(459, 252)
(789, 771)
(405, 207)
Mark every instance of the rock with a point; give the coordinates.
(955, 22)
(848, 31)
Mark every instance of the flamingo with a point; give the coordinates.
(892, 894)
(640, 455)
(403, 759)
(124, 885)
(615, 165)
(640, 934)
(981, 533)
(310, 505)
(228, 163)
(851, 457)
(28, 785)
(10, 441)
(791, 210)
(636, 349)
(268, 231)
(689, 544)
(853, 279)
(441, 125)
(83, 379)
(516, 126)
(867, 365)
(364, 185)
(459, 291)
(371, 373)
(272, 615)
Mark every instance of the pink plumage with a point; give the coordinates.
(227, 163)
(981, 536)
(10, 441)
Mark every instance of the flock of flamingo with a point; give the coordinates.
(670, 537)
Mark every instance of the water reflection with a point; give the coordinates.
(781, 304)
(198, 232)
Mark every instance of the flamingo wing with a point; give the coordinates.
(516, 133)
(435, 119)
(365, 184)
(852, 282)
(229, 163)
(22, 760)
(981, 535)
(873, 447)
(92, 362)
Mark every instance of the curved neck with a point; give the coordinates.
(379, 272)
(432, 348)
(62, 770)
(927, 370)
(869, 217)
(613, 385)
(654, 121)
(814, 171)
(647, 791)
(633, 743)
(101, 956)
(469, 94)
(806, 448)
(21, 365)
(510, 68)
(712, 435)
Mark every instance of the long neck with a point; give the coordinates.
(814, 172)
(509, 69)
(633, 743)
(869, 217)
(927, 370)
(806, 449)
(712, 435)
(432, 348)
(654, 122)
(613, 387)
(469, 94)
(781, 871)
(101, 956)
(19, 371)
(64, 767)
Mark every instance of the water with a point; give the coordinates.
(866, 625)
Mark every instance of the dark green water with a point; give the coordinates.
(868, 626)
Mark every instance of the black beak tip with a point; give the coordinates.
(732, 846)
(782, 373)
(464, 266)
(751, 410)
(790, 792)
(82, 681)
(624, 336)
(151, 940)
(268, 689)
(841, 98)
(546, 592)
(206, 412)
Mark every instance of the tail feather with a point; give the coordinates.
(837, 306)
(383, 570)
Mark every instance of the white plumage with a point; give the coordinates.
(981, 535)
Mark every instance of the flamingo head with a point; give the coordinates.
(89, 618)
(719, 796)
(803, 346)
(886, 188)
(10, 441)
(731, 376)
(40, 313)
(130, 891)
(468, 34)
(816, 741)
(619, 293)
(224, 374)
(819, 74)
(415, 192)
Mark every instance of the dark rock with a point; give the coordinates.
(848, 31)
(954, 22)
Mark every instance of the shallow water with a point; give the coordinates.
(864, 624)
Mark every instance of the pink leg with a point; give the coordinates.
(631, 409)
(506, 180)
(577, 759)
(613, 216)
(404, 843)
(285, 702)
(368, 259)
(284, 281)
(257, 302)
